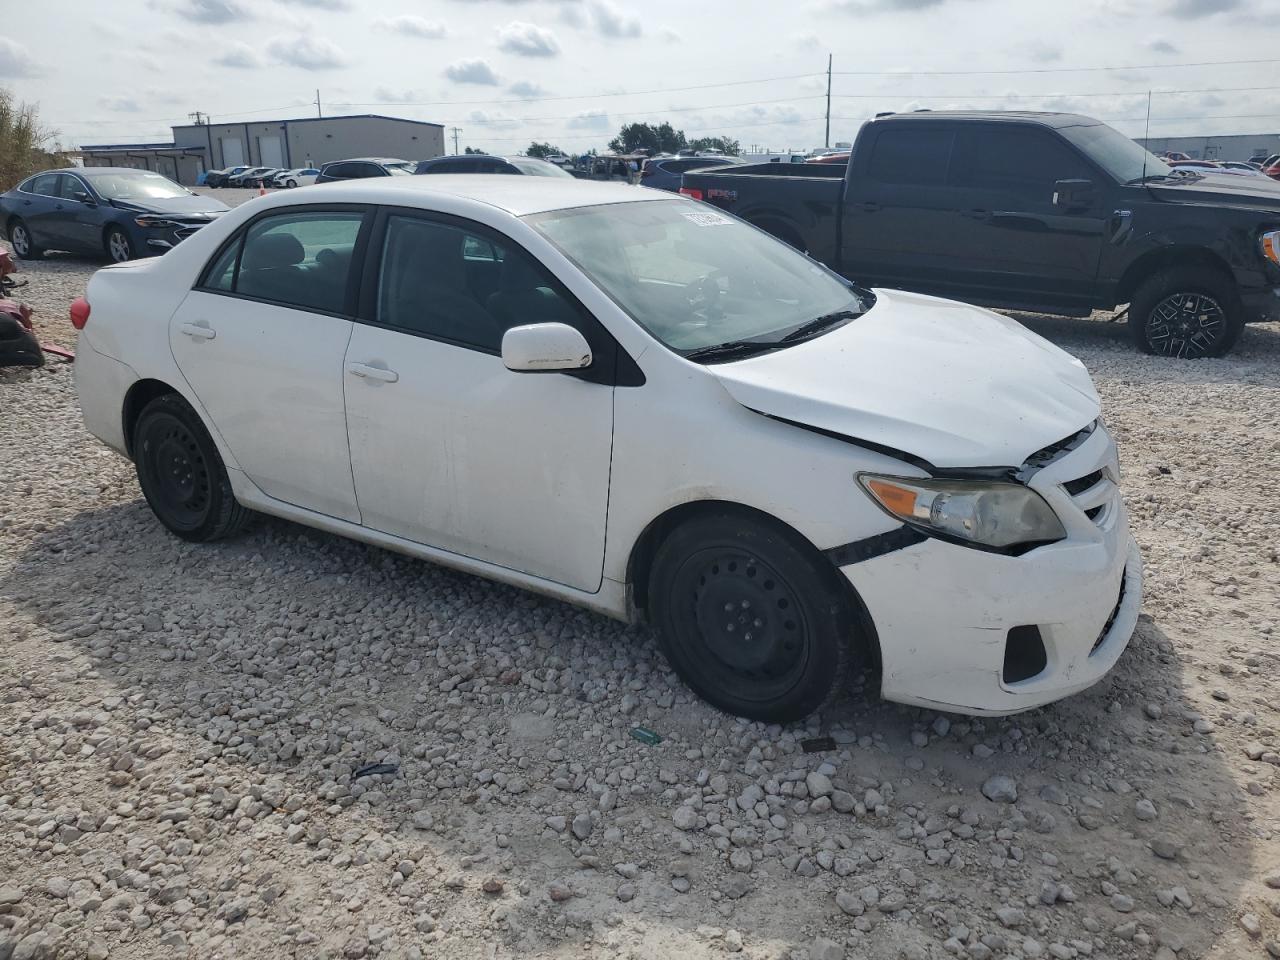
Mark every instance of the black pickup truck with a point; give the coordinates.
(1049, 212)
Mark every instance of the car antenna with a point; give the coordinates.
(1146, 137)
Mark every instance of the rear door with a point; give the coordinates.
(899, 212)
(39, 209)
(261, 342)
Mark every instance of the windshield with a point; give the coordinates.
(1114, 152)
(135, 185)
(537, 168)
(696, 278)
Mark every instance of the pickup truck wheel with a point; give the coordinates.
(751, 617)
(1186, 312)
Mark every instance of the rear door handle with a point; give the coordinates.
(870, 206)
(198, 331)
(977, 214)
(369, 372)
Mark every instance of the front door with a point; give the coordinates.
(1015, 245)
(82, 218)
(261, 342)
(450, 448)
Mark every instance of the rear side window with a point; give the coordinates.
(299, 259)
(45, 185)
(911, 156)
(339, 171)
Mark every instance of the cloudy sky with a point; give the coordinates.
(572, 71)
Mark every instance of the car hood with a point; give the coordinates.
(948, 383)
(1222, 188)
(195, 204)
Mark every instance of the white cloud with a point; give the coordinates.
(526, 88)
(611, 21)
(213, 11)
(589, 120)
(1043, 52)
(528, 40)
(16, 60)
(239, 55)
(119, 104)
(388, 95)
(321, 4)
(472, 70)
(306, 52)
(413, 26)
(1195, 9)
(1161, 45)
(492, 119)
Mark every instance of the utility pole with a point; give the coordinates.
(456, 131)
(200, 118)
(826, 141)
(318, 113)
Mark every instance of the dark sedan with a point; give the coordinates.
(483, 163)
(664, 173)
(116, 211)
(361, 168)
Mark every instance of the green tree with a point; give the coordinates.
(662, 138)
(542, 150)
(724, 144)
(21, 142)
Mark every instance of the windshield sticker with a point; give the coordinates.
(706, 219)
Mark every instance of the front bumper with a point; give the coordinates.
(157, 240)
(943, 613)
(1261, 304)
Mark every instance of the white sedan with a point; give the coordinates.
(633, 402)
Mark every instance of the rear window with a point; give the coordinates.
(911, 156)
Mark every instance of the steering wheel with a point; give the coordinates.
(704, 296)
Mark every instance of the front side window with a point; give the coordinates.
(917, 157)
(300, 259)
(469, 288)
(1114, 152)
(696, 278)
(69, 186)
(1020, 161)
(136, 185)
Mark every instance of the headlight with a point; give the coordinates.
(992, 514)
(154, 222)
(1270, 243)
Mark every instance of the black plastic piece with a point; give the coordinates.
(1024, 654)
(876, 546)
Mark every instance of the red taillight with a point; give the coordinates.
(693, 192)
(79, 312)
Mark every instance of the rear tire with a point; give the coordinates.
(181, 474)
(752, 617)
(24, 248)
(1189, 313)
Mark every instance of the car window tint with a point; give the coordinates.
(300, 259)
(452, 284)
(368, 170)
(1014, 160)
(917, 157)
(338, 171)
(45, 185)
(69, 186)
(221, 273)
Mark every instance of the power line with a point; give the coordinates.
(975, 73)
(1041, 96)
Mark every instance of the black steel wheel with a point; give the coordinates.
(181, 473)
(1188, 314)
(751, 616)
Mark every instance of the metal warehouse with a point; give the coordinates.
(1235, 146)
(306, 142)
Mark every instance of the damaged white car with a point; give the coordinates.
(630, 401)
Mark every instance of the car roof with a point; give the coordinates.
(1048, 119)
(369, 160)
(517, 195)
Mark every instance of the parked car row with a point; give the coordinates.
(261, 177)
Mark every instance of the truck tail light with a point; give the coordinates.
(79, 312)
(693, 192)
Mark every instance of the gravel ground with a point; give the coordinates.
(181, 726)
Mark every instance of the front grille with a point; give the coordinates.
(183, 232)
(1054, 451)
(1106, 627)
(1075, 487)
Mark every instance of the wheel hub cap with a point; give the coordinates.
(747, 617)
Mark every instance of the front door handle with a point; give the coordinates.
(198, 331)
(978, 214)
(870, 206)
(369, 372)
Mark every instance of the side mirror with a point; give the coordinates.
(545, 347)
(1073, 194)
(83, 197)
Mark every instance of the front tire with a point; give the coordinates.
(24, 248)
(291, 183)
(181, 474)
(118, 245)
(1188, 313)
(751, 617)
